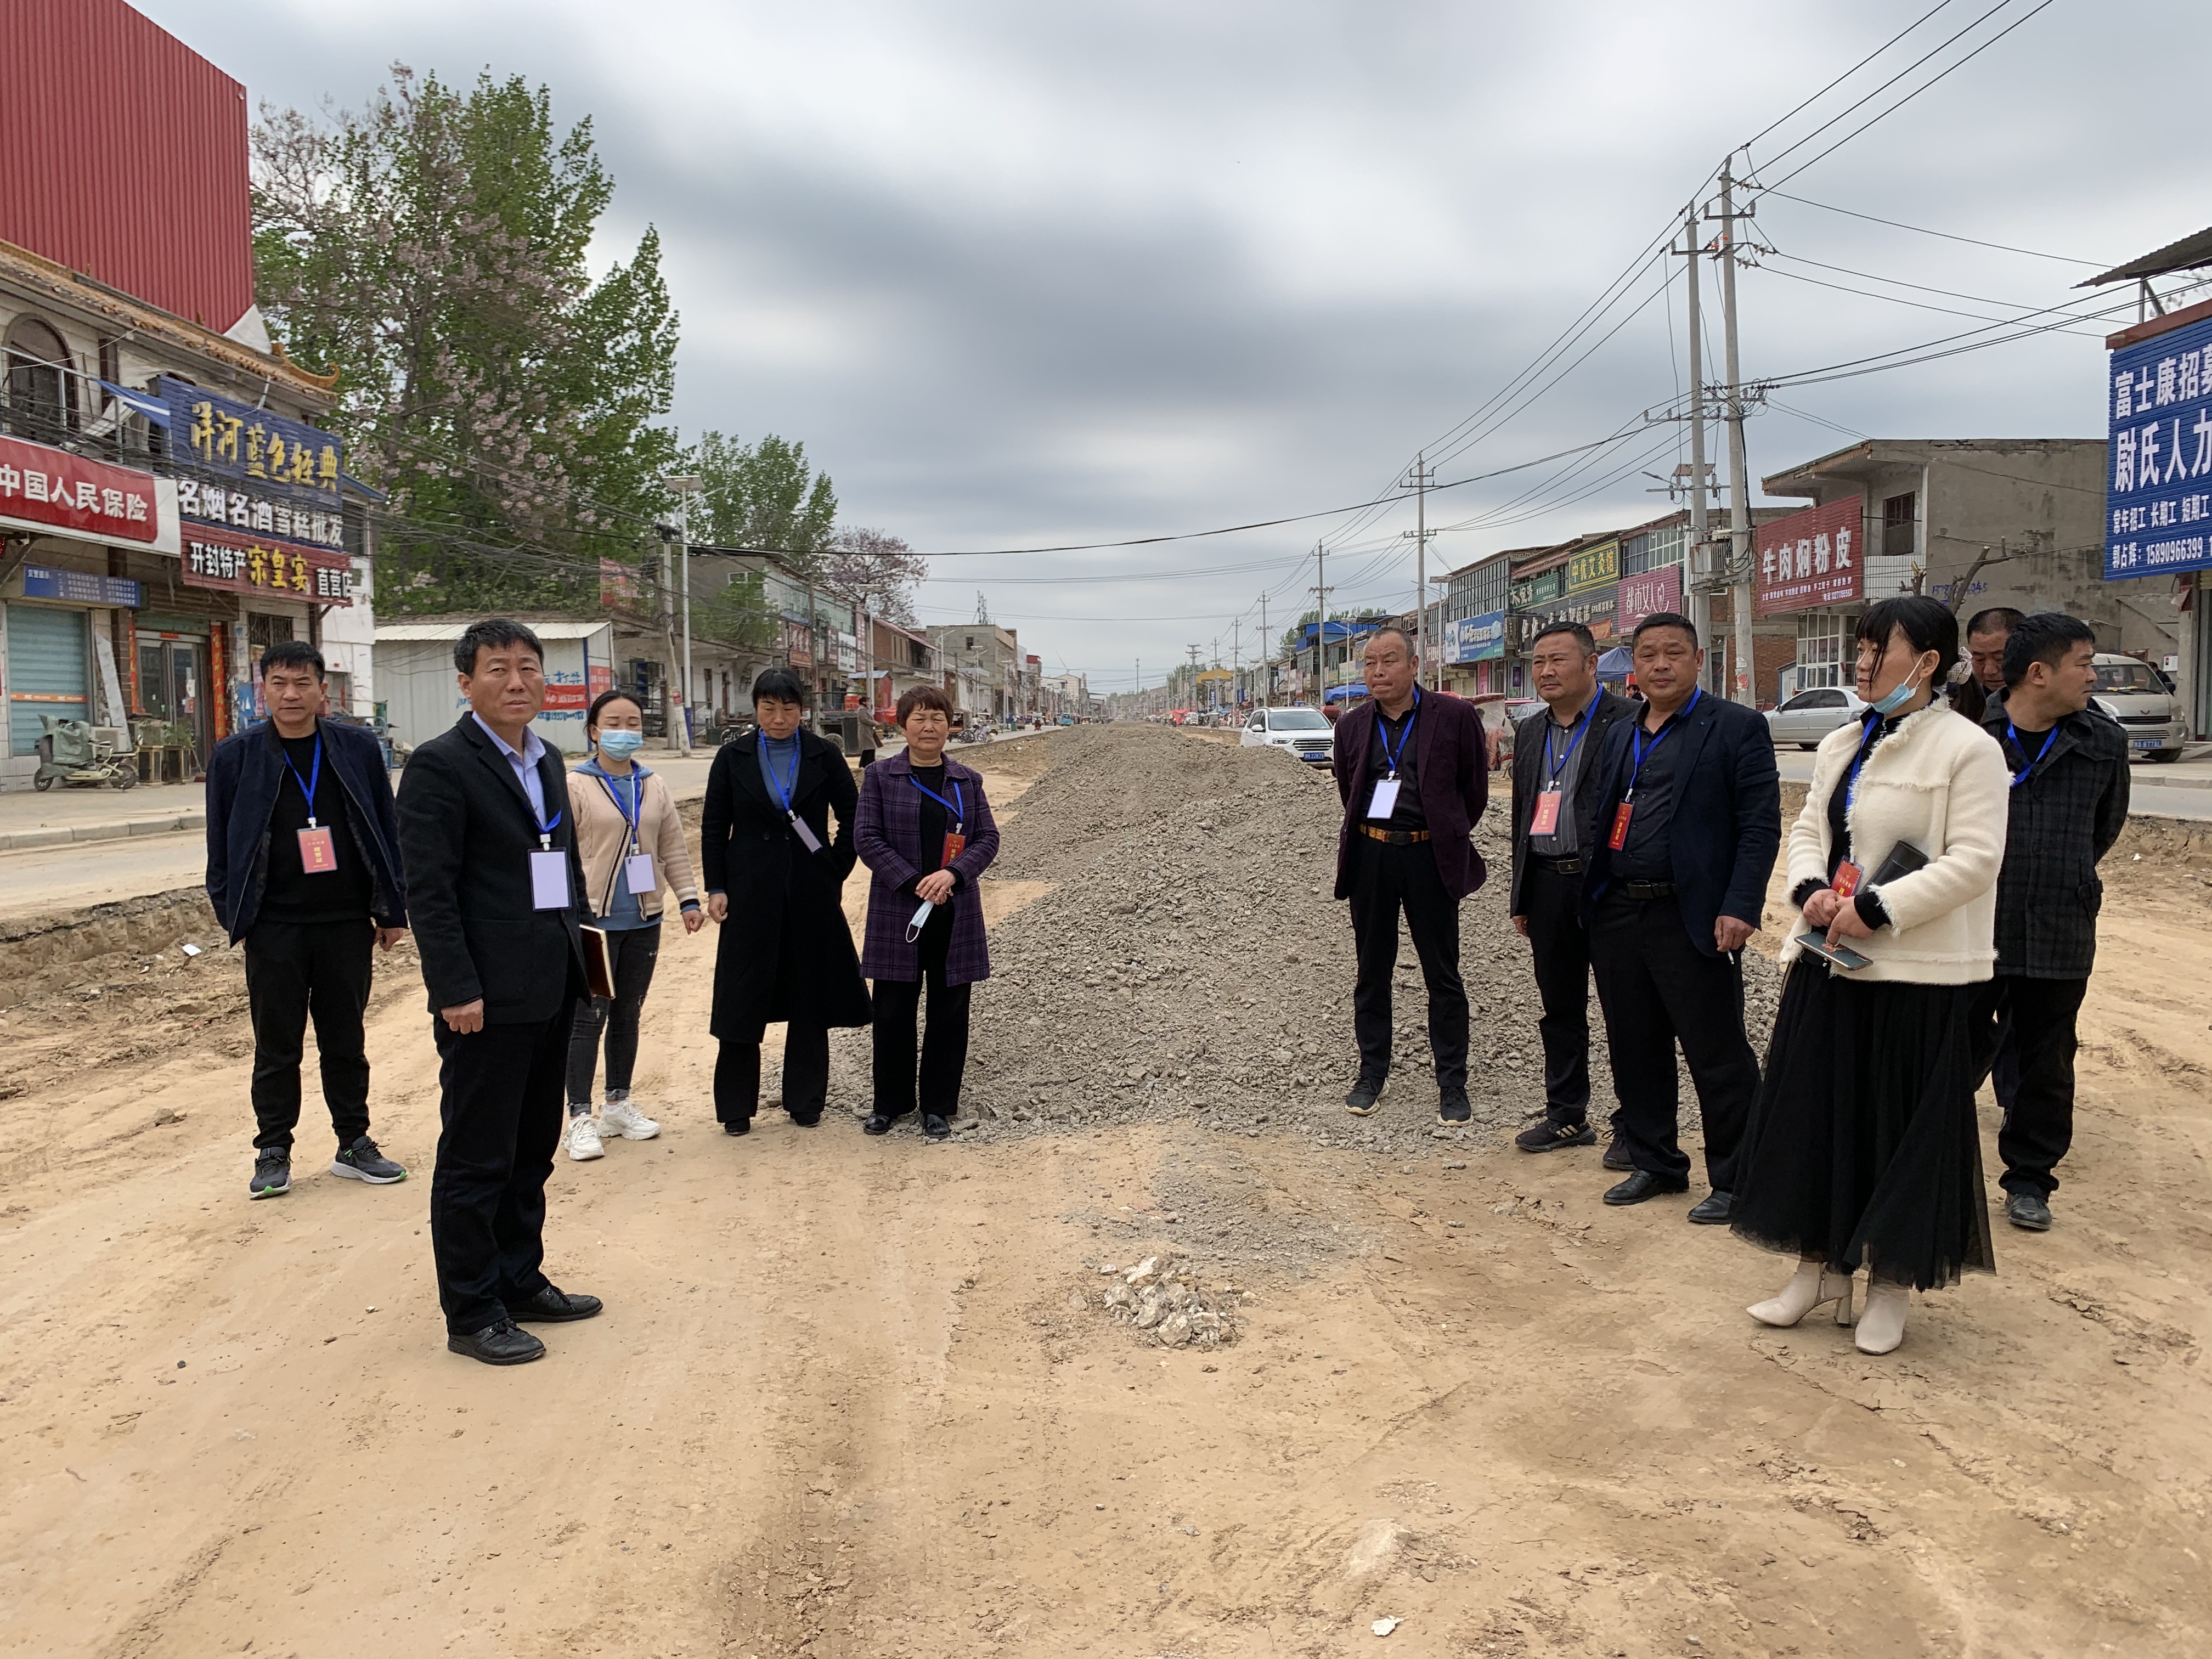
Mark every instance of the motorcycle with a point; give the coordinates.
(85, 756)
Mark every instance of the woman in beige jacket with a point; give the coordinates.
(1862, 1149)
(631, 842)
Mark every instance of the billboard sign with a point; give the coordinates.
(240, 564)
(1593, 568)
(2159, 509)
(81, 588)
(1809, 558)
(265, 454)
(1475, 639)
(48, 490)
(1648, 592)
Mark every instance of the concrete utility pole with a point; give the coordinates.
(1321, 626)
(1700, 601)
(679, 708)
(1236, 663)
(1739, 499)
(1267, 642)
(1422, 477)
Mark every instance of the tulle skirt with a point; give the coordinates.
(1862, 1149)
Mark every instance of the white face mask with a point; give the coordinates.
(920, 920)
(1898, 696)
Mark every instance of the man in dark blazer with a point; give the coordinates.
(493, 884)
(2069, 803)
(1413, 770)
(1556, 780)
(1689, 820)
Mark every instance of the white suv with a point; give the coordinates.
(1305, 733)
(2132, 694)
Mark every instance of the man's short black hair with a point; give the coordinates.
(1583, 637)
(293, 653)
(1664, 619)
(1997, 619)
(782, 684)
(493, 634)
(1926, 624)
(1404, 639)
(2046, 636)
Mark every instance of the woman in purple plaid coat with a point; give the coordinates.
(924, 831)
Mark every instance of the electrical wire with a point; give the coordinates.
(1923, 230)
(1846, 75)
(1922, 304)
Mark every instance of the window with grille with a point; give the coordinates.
(1898, 515)
(1821, 642)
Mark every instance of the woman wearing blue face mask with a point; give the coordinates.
(632, 846)
(1862, 1151)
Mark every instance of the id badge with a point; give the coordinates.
(1386, 798)
(806, 836)
(317, 851)
(1547, 820)
(954, 847)
(1847, 879)
(637, 874)
(1619, 839)
(549, 880)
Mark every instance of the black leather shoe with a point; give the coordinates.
(553, 1305)
(1713, 1210)
(738, 1126)
(935, 1127)
(1643, 1185)
(1548, 1136)
(808, 1118)
(877, 1124)
(1360, 1102)
(1616, 1155)
(503, 1344)
(2028, 1211)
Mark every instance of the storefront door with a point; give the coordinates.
(172, 680)
(47, 672)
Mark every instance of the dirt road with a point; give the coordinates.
(844, 1402)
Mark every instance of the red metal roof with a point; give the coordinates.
(123, 156)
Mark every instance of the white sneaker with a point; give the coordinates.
(584, 1139)
(620, 1118)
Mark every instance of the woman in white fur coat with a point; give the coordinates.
(1862, 1149)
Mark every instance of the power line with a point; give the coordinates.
(1948, 236)
(1846, 76)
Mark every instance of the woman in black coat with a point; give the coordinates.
(774, 878)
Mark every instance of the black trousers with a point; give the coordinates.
(2031, 1021)
(633, 951)
(1386, 880)
(1657, 988)
(943, 1048)
(295, 972)
(805, 1074)
(500, 1103)
(1552, 902)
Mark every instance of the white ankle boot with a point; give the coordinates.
(1808, 1287)
(1881, 1327)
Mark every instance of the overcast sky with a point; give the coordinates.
(1022, 275)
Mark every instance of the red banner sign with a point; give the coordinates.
(1646, 593)
(241, 564)
(61, 491)
(1810, 558)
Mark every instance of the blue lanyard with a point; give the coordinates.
(629, 812)
(1552, 767)
(1867, 739)
(2049, 737)
(1666, 731)
(308, 785)
(782, 789)
(1382, 726)
(956, 805)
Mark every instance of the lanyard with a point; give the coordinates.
(1552, 767)
(783, 789)
(1391, 753)
(956, 805)
(1866, 740)
(629, 812)
(2020, 776)
(1637, 743)
(308, 785)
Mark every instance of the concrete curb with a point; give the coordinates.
(114, 829)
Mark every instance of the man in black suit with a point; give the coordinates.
(1556, 778)
(1688, 822)
(494, 878)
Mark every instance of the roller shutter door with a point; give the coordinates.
(46, 671)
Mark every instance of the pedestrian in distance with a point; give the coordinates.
(304, 871)
(631, 842)
(1556, 778)
(489, 844)
(927, 834)
(1413, 771)
(1984, 683)
(2067, 805)
(775, 880)
(1689, 820)
(1862, 1149)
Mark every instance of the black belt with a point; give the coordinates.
(1394, 837)
(1571, 865)
(1647, 890)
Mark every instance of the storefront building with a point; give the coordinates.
(1474, 635)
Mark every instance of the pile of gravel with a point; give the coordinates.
(1162, 1299)
(1191, 964)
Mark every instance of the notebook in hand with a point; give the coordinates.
(599, 962)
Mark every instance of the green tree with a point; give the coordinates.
(432, 250)
(763, 496)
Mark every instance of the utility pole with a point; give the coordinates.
(1321, 626)
(1268, 642)
(679, 709)
(1236, 663)
(1739, 499)
(1421, 478)
(1701, 604)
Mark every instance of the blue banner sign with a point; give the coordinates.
(223, 438)
(1477, 639)
(2159, 509)
(80, 587)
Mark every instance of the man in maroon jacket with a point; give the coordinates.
(1412, 769)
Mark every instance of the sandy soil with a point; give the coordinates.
(840, 1403)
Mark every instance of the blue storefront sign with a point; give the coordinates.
(80, 587)
(1477, 639)
(2158, 506)
(266, 454)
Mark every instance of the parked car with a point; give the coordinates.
(2134, 694)
(1305, 733)
(1809, 716)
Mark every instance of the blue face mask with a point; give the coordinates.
(620, 744)
(1898, 696)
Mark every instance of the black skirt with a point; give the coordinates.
(1862, 1149)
